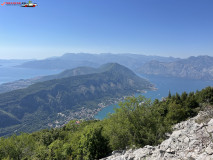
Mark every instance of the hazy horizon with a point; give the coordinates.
(162, 28)
(96, 53)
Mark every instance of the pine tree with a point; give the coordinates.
(170, 95)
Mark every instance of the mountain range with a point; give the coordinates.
(200, 67)
(55, 101)
(72, 60)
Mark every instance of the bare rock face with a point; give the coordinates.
(200, 67)
(190, 140)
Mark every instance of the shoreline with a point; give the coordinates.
(121, 99)
(84, 113)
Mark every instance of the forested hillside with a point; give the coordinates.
(137, 122)
(54, 102)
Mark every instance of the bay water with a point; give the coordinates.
(9, 73)
(163, 85)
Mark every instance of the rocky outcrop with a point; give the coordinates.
(190, 140)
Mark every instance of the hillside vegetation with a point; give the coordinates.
(138, 122)
(55, 101)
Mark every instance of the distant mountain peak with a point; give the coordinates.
(200, 67)
(73, 60)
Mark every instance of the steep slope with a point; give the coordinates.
(191, 139)
(41, 103)
(70, 72)
(200, 67)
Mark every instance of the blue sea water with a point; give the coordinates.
(163, 85)
(10, 73)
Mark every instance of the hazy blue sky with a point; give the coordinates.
(178, 28)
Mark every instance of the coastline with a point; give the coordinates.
(139, 92)
(86, 113)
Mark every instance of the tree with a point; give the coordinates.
(56, 151)
(17, 147)
(169, 96)
(184, 96)
(92, 145)
(207, 95)
(176, 113)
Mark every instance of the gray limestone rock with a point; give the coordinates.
(209, 149)
(189, 141)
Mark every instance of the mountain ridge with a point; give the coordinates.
(23, 83)
(73, 60)
(67, 94)
(200, 67)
